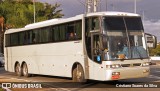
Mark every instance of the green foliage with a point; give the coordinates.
(19, 13)
(155, 51)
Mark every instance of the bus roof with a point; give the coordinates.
(64, 20)
(112, 13)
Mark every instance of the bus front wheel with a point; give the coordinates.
(25, 70)
(18, 70)
(78, 74)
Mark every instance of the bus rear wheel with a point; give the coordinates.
(25, 70)
(18, 70)
(78, 74)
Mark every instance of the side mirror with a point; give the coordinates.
(151, 40)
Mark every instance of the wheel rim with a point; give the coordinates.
(79, 74)
(18, 69)
(25, 70)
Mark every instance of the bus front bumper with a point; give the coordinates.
(127, 73)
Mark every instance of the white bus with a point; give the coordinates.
(100, 46)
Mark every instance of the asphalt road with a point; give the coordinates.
(51, 83)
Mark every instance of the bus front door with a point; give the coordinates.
(96, 52)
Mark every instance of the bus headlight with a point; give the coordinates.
(146, 64)
(113, 66)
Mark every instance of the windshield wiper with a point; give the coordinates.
(128, 40)
(138, 52)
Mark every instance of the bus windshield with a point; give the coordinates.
(124, 37)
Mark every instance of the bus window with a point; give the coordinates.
(14, 39)
(50, 35)
(44, 35)
(71, 31)
(25, 38)
(91, 23)
(56, 33)
(21, 38)
(28, 35)
(8, 40)
(78, 29)
(35, 36)
(62, 31)
(95, 23)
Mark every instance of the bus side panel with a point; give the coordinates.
(25, 54)
(58, 58)
(96, 71)
(47, 59)
(8, 59)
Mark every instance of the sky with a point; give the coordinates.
(150, 9)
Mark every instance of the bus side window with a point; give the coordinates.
(62, 32)
(8, 40)
(25, 38)
(70, 32)
(28, 37)
(95, 23)
(33, 37)
(71, 35)
(78, 30)
(56, 33)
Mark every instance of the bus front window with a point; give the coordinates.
(125, 36)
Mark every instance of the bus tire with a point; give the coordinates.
(25, 70)
(78, 74)
(18, 70)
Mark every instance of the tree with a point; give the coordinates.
(50, 11)
(155, 51)
(1, 33)
(18, 13)
(47, 11)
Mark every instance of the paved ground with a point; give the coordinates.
(65, 84)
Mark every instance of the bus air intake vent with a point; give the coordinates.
(137, 64)
(125, 65)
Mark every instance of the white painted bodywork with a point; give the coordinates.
(58, 58)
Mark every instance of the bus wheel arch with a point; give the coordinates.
(18, 69)
(25, 70)
(78, 73)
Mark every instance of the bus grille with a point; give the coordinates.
(125, 65)
(137, 64)
(131, 65)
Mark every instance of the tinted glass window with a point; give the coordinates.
(21, 38)
(62, 32)
(14, 39)
(56, 33)
(114, 23)
(8, 40)
(134, 23)
(78, 29)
